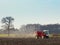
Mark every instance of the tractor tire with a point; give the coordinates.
(47, 36)
(37, 37)
(42, 37)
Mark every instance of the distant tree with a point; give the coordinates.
(7, 21)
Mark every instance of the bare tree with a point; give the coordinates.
(7, 21)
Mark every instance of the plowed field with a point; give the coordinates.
(29, 41)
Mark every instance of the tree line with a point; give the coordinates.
(53, 28)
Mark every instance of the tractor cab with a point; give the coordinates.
(46, 33)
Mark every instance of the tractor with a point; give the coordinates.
(42, 34)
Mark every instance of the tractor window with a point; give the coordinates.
(46, 32)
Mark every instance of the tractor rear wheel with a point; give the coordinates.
(47, 36)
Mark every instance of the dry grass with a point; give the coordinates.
(26, 35)
(27, 39)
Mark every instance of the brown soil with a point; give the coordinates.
(29, 41)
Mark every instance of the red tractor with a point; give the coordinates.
(42, 34)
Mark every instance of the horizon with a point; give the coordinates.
(31, 11)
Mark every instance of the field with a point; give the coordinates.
(5, 40)
(29, 41)
(21, 35)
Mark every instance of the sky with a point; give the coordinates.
(31, 11)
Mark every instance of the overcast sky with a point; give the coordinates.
(31, 11)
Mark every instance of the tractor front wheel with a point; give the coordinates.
(42, 37)
(37, 37)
